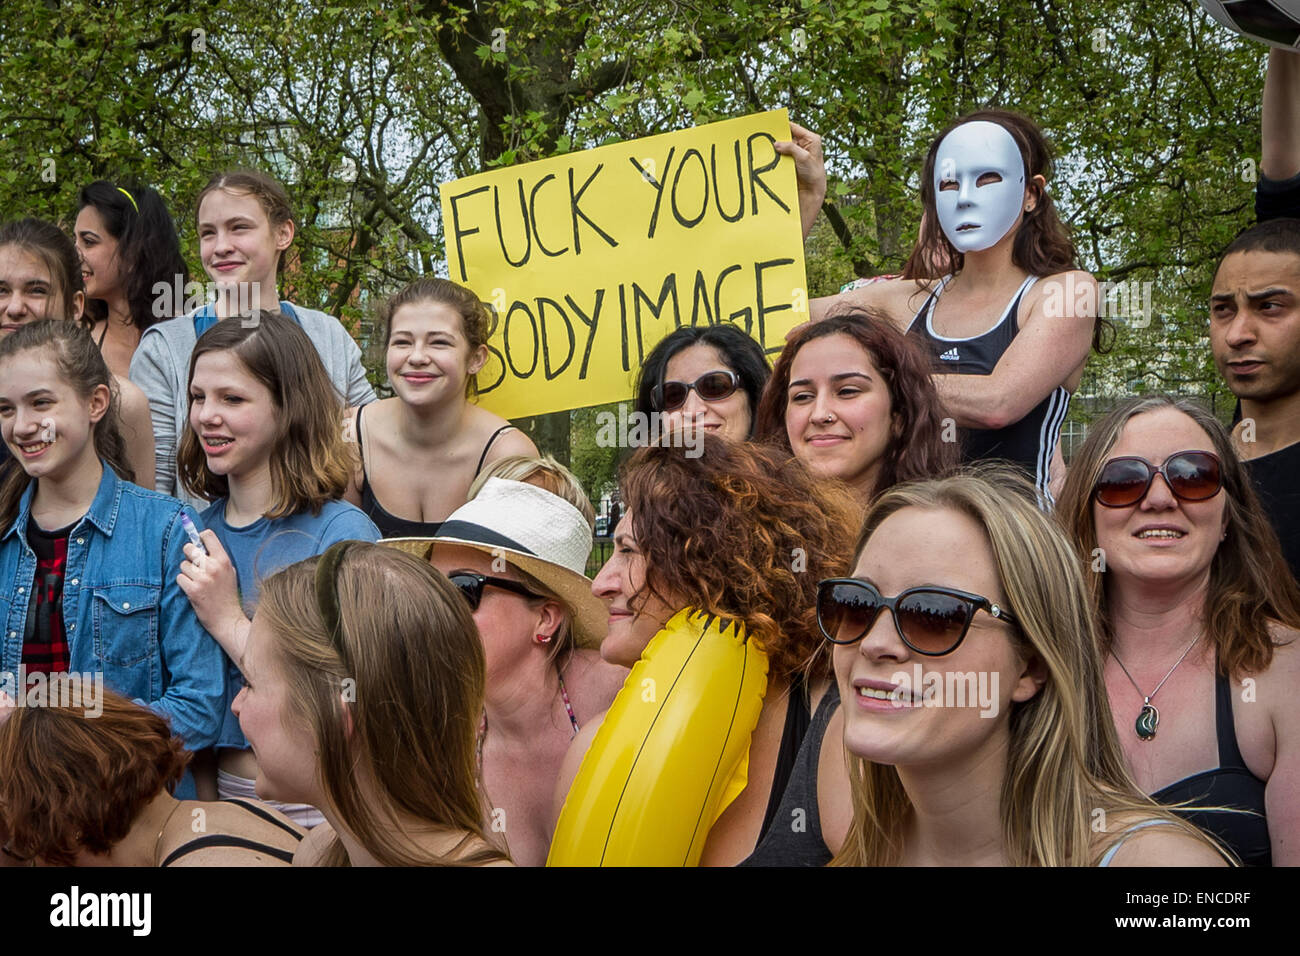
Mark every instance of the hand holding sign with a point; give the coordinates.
(805, 148)
(591, 258)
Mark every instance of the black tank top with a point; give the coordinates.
(222, 839)
(389, 525)
(1231, 785)
(794, 838)
(1029, 442)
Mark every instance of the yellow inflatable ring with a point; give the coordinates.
(672, 753)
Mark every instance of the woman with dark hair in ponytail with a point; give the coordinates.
(128, 245)
(88, 561)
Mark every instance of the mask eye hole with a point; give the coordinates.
(988, 179)
(947, 184)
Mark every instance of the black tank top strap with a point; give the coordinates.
(265, 814)
(918, 323)
(798, 715)
(221, 839)
(795, 834)
(486, 448)
(1224, 724)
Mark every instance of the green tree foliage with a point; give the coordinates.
(364, 108)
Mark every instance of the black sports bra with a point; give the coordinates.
(220, 839)
(389, 525)
(1231, 785)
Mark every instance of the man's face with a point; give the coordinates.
(1255, 324)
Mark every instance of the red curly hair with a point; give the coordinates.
(743, 531)
(75, 781)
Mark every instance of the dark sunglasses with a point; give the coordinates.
(471, 585)
(931, 620)
(711, 386)
(1190, 475)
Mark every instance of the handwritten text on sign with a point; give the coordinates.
(590, 259)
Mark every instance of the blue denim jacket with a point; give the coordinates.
(123, 612)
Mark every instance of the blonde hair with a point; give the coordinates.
(544, 472)
(409, 647)
(1064, 760)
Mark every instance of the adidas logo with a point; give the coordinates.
(950, 356)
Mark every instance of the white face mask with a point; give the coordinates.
(975, 217)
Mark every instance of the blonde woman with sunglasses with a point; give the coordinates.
(974, 695)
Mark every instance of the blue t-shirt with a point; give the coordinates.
(266, 546)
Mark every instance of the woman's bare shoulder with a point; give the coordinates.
(313, 846)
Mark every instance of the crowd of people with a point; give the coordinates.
(342, 630)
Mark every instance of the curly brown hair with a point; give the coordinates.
(743, 531)
(75, 781)
(916, 450)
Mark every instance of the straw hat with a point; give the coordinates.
(539, 533)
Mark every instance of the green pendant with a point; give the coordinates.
(1147, 721)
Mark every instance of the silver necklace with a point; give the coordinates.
(1148, 718)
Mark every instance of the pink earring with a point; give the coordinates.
(543, 638)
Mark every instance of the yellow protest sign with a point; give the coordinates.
(589, 259)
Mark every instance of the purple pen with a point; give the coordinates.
(193, 532)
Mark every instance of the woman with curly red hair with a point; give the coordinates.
(91, 785)
(742, 532)
(852, 398)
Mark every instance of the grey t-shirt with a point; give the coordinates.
(161, 367)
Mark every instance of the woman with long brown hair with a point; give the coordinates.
(742, 532)
(974, 701)
(852, 399)
(1198, 617)
(365, 687)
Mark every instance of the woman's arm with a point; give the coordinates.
(151, 370)
(805, 148)
(353, 493)
(194, 670)
(1282, 795)
(1051, 346)
(137, 431)
(570, 766)
(1280, 116)
(212, 586)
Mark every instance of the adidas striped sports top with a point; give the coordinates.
(1029, 442)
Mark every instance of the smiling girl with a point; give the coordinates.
(87, 559)
(852, 399)
(245, 224)
(436, 332)
(40, 279)
(264, 443)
